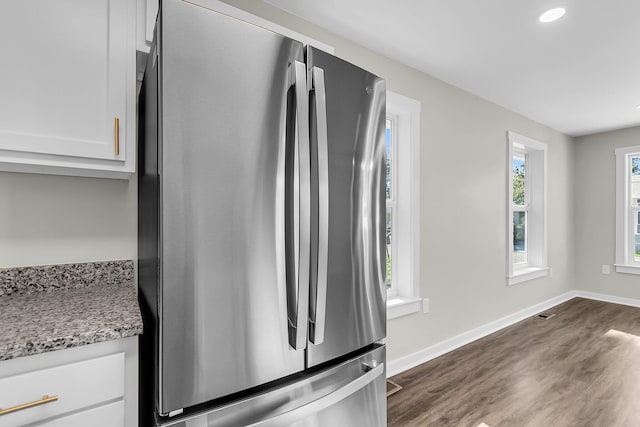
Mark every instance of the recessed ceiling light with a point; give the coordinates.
(552, 14)
(638, 107)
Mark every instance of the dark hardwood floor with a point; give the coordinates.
(579, 368)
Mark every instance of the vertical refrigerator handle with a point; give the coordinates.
(297, 206)
(319, 294)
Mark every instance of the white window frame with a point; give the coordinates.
(626, 215)
(535, 153)
(404, 296)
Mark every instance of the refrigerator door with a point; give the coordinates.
(349, 253)
(227, 88)
(351, 394)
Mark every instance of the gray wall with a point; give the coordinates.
(596, 222)
(47, 219)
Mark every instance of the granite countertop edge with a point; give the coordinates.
(49, 308)
(29, 348)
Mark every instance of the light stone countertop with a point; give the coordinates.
(49, 308)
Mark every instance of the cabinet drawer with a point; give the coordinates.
(77, 385)
(111, 415)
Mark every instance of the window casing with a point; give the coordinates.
(403, 205)
(628, 210)
(527, 235)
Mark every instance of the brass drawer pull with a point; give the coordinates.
(116, 125)
(45, 399)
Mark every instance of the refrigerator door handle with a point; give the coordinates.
(324, 402)
(319, 309)
(297, 207)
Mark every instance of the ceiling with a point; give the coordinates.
(579, 75)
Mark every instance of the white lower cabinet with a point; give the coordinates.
(89, 385)
(110, 415)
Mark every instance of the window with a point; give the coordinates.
(390, 161)
(520, 208)
(628, 210)
(527, 247)
(403, 205)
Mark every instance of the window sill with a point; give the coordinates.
(628, 269)
(399, 306)
(526, 274)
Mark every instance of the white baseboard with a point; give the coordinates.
(397, 366)
(608, 298)
(394, 367)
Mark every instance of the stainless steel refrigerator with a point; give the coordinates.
(261, 229)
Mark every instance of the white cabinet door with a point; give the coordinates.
(67, 76)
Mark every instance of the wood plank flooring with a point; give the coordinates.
(580, 368)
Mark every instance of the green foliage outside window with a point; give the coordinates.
(518, 185)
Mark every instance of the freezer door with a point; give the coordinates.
(347, 278)
(226, 321)
(351, 394)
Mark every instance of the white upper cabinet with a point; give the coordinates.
(68, 87)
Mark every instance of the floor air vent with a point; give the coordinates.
(392, 388)
(546, 316)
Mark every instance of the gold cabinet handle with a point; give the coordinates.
(116, 131)
(45, 399)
